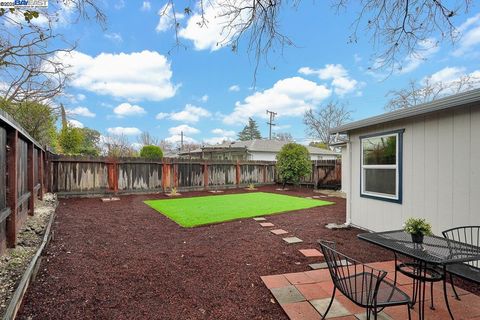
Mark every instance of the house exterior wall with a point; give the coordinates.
(441, 173)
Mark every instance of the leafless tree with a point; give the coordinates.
(329, 116)
(398, 28)
(283, 136)
(165, 146)
(146, 139)
(29, 47)
(117, 146)
(428, 91)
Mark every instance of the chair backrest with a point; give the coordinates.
(354, 279)
(466, 234)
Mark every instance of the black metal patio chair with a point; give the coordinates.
(469, 271)
(363, 285)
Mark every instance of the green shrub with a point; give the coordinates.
(293, 163)
(151, 152)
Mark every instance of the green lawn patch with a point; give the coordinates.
(197, 211)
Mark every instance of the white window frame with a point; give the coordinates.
(397, 166)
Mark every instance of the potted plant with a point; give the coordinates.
(418, 228)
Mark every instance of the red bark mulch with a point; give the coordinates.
(124, 260)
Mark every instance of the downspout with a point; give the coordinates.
(349, 191)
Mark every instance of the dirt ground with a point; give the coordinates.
(15, 261)
(123, 260)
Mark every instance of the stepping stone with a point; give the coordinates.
(292, 240)
(311, 253)
(278, 231)
(260, 219)
(288, 294)
(323, 265)
(380, 316)
(337, 309)
(267, 224)
(110, 199)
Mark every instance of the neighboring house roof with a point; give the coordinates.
(452, 101)
(258, 145)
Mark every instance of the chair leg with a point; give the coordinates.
(432, 307)
(453, 287)
(330, 304)
(409, 314)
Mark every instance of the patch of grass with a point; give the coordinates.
(197, 211)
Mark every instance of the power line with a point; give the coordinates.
(270, 123)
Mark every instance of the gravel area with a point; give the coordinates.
(15, 261)
(123, 260)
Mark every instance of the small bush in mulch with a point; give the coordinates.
(15, 261)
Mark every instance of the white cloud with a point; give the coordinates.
(357, 58)
(120, 4)
(81, 111)
(135, 76)
(81, 97)
(204, 98)
(162, 115)
(146, 6)
(175, 139)
(447, 74)
(223, 132)
(217, 140)
(126, 109)
(167, 18)
(453, 80)
(75, 123)
(341, 82)
(189, 114)
(114, 37)
(470, 35)
(428, 47)
(128, 131)
(288, 97)
(186, 129)
(234, 88)
(215, 33)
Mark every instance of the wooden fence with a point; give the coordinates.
(21, 178)
(72, 176)
(76, 176)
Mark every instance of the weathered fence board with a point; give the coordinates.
(17, 178)
(222, 175)
(3, 168)
(139, 176)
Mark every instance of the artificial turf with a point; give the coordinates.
(196, 211)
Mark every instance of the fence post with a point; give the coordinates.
(31, 178)
(112, 176)
(265, 174)
(205, 175)
(40, 174)
(165, 174)
(12, 198)
(315, 174)
(237, 173)
(175, 175)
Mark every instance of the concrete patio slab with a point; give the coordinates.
(259, 219)
(316, 287)
(278, 231)
(288, 294)
(337, 309)
(292, 240)
(323, 265)
(267, 224)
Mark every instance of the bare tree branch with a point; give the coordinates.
(319, 123)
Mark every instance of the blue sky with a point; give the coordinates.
(130, 77)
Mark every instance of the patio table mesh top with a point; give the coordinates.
(434, 249)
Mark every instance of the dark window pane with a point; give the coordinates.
(380, 150)
(380, 180)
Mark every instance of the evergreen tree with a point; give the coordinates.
(250, 132)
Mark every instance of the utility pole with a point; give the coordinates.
(270, 123)
(181, 141)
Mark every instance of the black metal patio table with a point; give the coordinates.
(429, 260)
